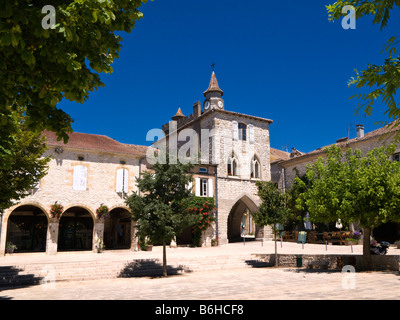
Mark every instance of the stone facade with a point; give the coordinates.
(99, 187)
(92, 170)
(238, 146)
(285, 170)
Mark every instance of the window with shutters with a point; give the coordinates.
(242, 131)
(204, 187)
(80, 178)
(122, 181)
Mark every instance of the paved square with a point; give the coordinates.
(236, 284)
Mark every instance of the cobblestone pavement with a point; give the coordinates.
(236, 284)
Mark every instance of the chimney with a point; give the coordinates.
(197, 110)
(360, 131)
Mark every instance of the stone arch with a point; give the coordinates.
(26, 227)
(83, 206)
(30, 203)
(76, 229)
(240, 215)
(118, 229)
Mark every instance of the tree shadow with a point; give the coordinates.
(258, 263)
(150, 268)
(11, 279)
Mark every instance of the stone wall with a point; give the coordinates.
(57, 185)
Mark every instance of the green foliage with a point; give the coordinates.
(39, 67)
(382, 80)
(23, 167)
(354, 188)
(161, 209)
(203, 211)
(272, 209)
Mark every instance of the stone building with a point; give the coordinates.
(236, 147)
(92, 170)
(88, 171)
(285, 168)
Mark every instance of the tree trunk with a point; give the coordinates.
(276, 249)
(367, 263)
(164, 267)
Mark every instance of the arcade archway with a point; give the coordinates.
(27, 229)
(117, 229)
(75, 230)
(240, 222)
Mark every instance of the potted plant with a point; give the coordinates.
(100, 246)
(397, 244)
(10, 247)
(102, 212)
(56, 210)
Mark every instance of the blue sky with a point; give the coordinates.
(281, 60)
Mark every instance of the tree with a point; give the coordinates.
(161, 208)
(384, 80)
(23, 170)
(40, 66)
(202, 208)
(272, 209)
(355, 188)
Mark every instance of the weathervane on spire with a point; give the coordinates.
(213, 66)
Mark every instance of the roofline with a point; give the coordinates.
(347, 144)
(138, 155)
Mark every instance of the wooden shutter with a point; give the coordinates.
(122, 181)
(235, 130)
(190, 186)
(210, 188)
(251, 133)
(198, 186)
(80, 178)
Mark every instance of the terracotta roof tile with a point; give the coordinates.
(213, 87)
(96, 142)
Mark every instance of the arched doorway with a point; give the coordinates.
(75, 230)
(27, 229)
(240, 221)
(117, 229)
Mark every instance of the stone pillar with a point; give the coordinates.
(98, 234)
(3, 234)
(52, 237)
(134, 240)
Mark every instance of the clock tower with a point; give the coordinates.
(213, 95)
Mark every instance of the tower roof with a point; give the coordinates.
(213, 87)
(178, 114)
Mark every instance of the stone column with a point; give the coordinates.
(3, 234)
(134, 242)
(52, 237)
(98, 234)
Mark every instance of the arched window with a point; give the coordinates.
(232, 165)
(255, 168)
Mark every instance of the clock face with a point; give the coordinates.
(206, 105)
(220, 104)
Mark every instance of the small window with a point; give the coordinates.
(203, 187)
(396, 157)
(122, 162)
(81, 158)
(242, 131)
(203, 170)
